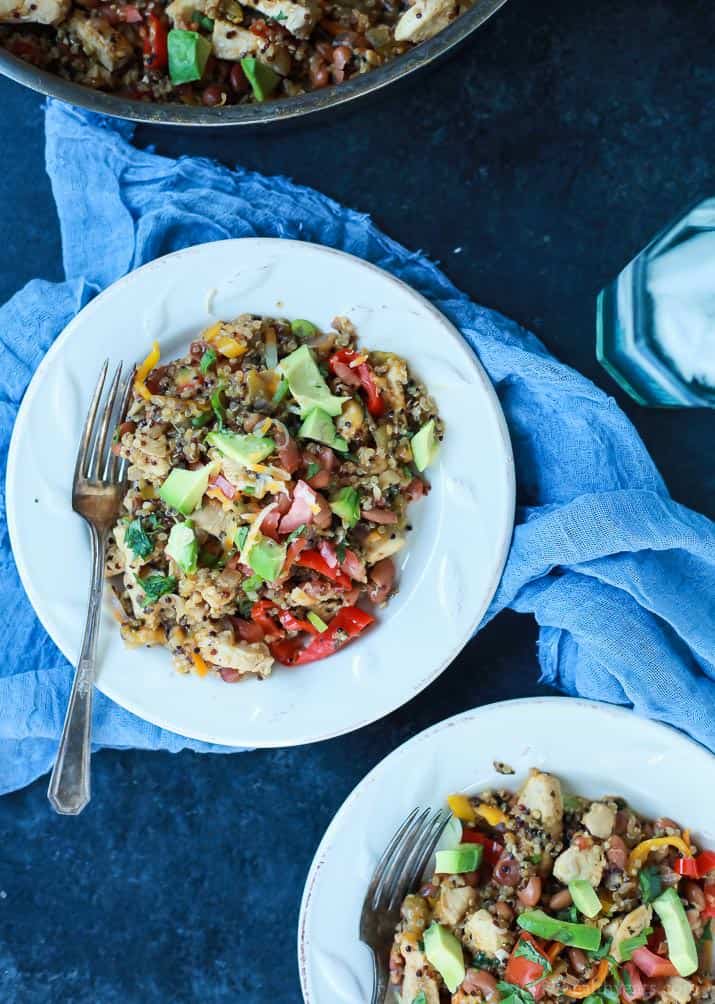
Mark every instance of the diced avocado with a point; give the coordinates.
(444, 952)
(266, 558)
(247, 449)
(183, 547)
(262, 78)
(462, 858)
(303, 328)
(541, 925)
(682, 950)
(307, 384)
(318, 425)
(188, 55)
(585, 898)
(425, 446)
(183, 489)
(346, 505)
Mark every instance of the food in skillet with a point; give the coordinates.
(546, 897)
(217, 52)
(270, 474)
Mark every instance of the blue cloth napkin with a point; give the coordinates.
(620, 578)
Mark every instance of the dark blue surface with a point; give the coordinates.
(549, 151)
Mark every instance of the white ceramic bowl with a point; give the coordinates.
(594, 748)
(447, 574)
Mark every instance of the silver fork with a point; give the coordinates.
(398, 871)
(97, 491)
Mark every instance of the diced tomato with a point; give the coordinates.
(344, 357)
(492, 849)
(260, 616)
(294, 549)
(353, 566)
(316, 562)
(328, 553)
(651, 964)
(709, 900)
(706, 863)
(130, 14)
(637, 989)
(687, 867)
(269, 524)
(522, 972)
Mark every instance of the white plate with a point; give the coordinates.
(595, 748)
(448, 574)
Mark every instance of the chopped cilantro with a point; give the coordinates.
(280, 393)
(340, 552)
(299, 530)
(240, 538)
(650, 883)
(570, 914)
(155, 586)
(251, 586)
(218, 408)
(312, 470)
(199, 421)
(527, 950)
(137, 539)
(625, 975)
(483, 961)
(420, 998)
(601, 952)
(207, 359)
(280, 16)
(512, 994)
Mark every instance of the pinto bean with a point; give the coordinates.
(382, 516)
(694, 894)
(507, 871)
(504, 912)
(482, 981)
(578, 960)
(617, 852)
(382, 579)
(560, 900)
(531, 893)
(471, 879)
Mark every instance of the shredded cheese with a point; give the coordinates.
(199, 664)
(144, 370)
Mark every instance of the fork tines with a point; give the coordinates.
(95, 461)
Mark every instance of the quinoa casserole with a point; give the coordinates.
(269, 477)
(545, 896)
(217, 52)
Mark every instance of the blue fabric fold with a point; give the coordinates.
(620, 578)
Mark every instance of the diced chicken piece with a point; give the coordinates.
(586, 864)
(35, 11)
(221, 650)
(631, 925)
(600, 820)
(482, 934)
(214, 520)
(180, 11)
(541, 795)
(424, 19)
(109, 47)
(232, 42)
(419, 979)
(677, 990)
(381, 544)
(296, 18)
(454, 903)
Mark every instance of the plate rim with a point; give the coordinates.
(471, 359)
(323, 848)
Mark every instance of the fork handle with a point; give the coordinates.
(69, 789)
(379, 980)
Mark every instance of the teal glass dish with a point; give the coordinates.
(655, 323)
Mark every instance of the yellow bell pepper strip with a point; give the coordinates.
(596, 981)
(230, 347)
(492, 815)
(641, 851)
(144, 370)
(554, 950)
(199, 664)
(462, 808)
(208, 334)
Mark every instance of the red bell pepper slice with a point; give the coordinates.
(347, 624)
(687, 867)
(637, 989)
(651, 964)
(492, 849)
(375, 403)
(522, 972)
(709, 911)
(316, 562)
(259, 616)
(291, 623)
(156, 46)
